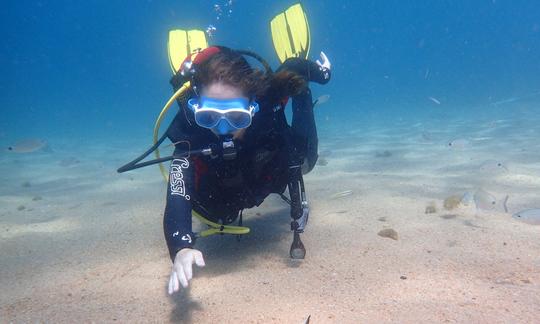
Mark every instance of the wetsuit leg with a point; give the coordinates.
(304, 129)
(303, 125)
(294, 194)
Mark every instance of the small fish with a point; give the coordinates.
(426, 74)
(427, 136)
(459, 143)
(469, 223)
(481, 138)
(529, 216)
(383, 154)
(341, 194)
(68, 162)
(435, 100)
(493, 166)
(322, 99)
(484, 200)
(28, 145)
(505, 101)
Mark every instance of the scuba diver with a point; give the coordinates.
(233, 144)
(240, 112)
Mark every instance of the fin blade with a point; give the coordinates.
(280, 37)
(196, 40)
(290, 33)
(183, 43)
(299, 29)
(177, 48)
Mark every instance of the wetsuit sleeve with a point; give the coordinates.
(311, 71)
(177, 224)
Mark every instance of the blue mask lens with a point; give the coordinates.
(223, 127)
(225, 115)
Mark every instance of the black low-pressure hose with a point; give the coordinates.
(212, 149)
(133, 164)
(258, 58)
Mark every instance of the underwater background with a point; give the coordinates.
(99, 69)
(428, 152)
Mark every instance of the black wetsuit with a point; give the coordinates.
(218, 188)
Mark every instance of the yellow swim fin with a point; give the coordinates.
(290, 33)
(183, 43)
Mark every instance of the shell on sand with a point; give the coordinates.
(389, 233)
(431, 208)
(28, 145)
(452, 202)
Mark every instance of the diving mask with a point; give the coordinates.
(223, 116)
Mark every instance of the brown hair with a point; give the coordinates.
(286, 83)
(231, 68)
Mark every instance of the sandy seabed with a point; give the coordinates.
(80, 243)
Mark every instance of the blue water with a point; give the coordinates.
(100, 68)
(428, 100)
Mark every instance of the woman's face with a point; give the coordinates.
(219, 90)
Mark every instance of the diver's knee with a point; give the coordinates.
(309, 164)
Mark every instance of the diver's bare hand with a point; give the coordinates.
(182, 271)
(325, 62)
